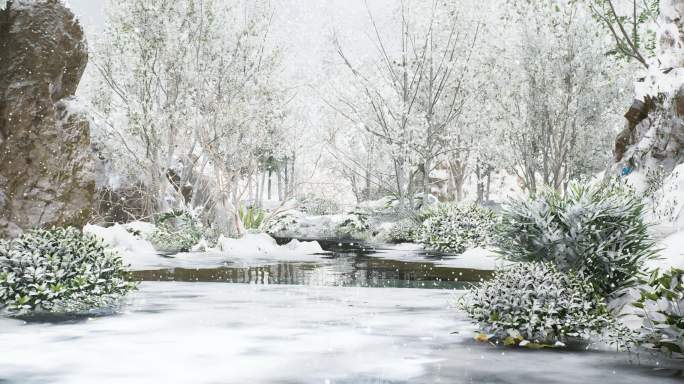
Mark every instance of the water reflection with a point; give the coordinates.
(344, 267)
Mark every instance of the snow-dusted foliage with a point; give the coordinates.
(282, 223)
(556, 103)
(176, 232)
(596, 231)
(403, 231)
(59, 270)
(662, 305)
(355, 225)
(535, 305)
(318, 206)
(187, 103)
(455, 228)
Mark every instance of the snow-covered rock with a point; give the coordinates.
(261, 245)
(46, 167)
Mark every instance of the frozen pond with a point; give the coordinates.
(342, 264)
(178, 332)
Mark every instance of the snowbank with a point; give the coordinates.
(263, 246)
(672, 253)
(140, 254)
(476, 258)
(118, 237)
(137, 252)
(481, 259)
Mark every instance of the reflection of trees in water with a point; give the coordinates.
(341, 270)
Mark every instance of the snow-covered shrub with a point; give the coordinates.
(282, 223)
(596, 230)
(356, 225)
(535, 305)
(59, 270)
(455, 228)
(662, 305)
(318, 206)
(177, 231)
(403, 231)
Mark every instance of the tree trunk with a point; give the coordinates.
(270, 178)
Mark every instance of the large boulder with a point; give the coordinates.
(46, 170)
(653, 139)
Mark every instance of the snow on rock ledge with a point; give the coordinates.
(261, 245)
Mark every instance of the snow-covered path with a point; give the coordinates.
(235, 333)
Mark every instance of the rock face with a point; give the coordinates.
(653, 139)
(46, 170)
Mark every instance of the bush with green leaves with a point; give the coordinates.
(177, 231)
(534, 305)
(455, 228)
(403, 231)
(252, 217)
(594, 230)
(59, 270)
(356, 225)
(662, 305)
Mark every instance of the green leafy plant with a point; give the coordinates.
(534, 305)
(59, 270)
(252, 217)
(455, 228)
(177, 231)
(662, 305)
(594, 230)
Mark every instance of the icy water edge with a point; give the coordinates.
(305, 322)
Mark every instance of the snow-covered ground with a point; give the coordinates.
(476, 258)
(234, 333)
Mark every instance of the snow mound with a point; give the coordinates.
(118, 237)
(672, 252)
(144, 228)
(261, 245)
(136, 252)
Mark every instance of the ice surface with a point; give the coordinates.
(235, 333)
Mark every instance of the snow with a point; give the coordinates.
(672, 252)
(475, 258)
(136, 252)
(263, 246)
(481, 259)
(252, 248)
(233, 333)
(312, 227)
(118, 237)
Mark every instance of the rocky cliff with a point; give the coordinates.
(653, 140)
(46, 173)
